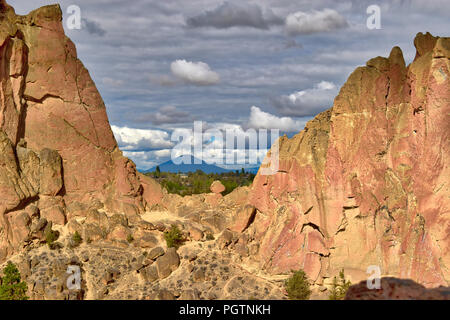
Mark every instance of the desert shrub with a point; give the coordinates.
(297, 286)
(230, 185)
(76, 238)
(50, 237)
(339, 287)
(173, 237)
(130, 238)
(11, 286)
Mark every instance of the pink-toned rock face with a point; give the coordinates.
(54, 122)
(367, 182)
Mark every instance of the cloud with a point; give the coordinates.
(130, 139)
(112, 82)
(229, 15)
(170, 114)
(145, 160)
(164, 80)
(263, 120)
(198, 73)
(93, 27)
(307, 102)
(314, 21)
(291, 43)
(144, 38)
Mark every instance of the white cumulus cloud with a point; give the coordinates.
(314, 21)
(198, 73)
(145, 160)
(263, 120)
(130, 139)
(308, 102)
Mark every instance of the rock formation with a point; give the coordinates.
(58, 153)
(69, 199)
(367, 181)
(396, 289)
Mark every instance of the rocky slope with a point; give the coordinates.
(367, 182)
(58, 154)
(122, 258)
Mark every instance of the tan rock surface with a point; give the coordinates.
(217, 187)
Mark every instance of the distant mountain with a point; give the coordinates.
(170, 166)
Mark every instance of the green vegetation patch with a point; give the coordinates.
(11, 286)
(199, 182)
(297, 286)
(174, 237)
(339, 287)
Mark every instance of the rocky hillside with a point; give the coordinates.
(367, 181)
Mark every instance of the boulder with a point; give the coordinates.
(396, 289)
(195, 233)
(155, 253)
(243, 218)
(52, 208)
(167, 263)
(145, 239)
(149, 273)
(217, 187)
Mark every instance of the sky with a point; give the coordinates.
(267, 64)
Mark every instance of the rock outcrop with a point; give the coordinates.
(217, 187)
(58, 152)
(396, 289)
(367, 181)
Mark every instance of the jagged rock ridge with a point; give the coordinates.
(59, 155)
(367, 181)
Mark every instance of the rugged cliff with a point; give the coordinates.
(58, 154)
(366, 182)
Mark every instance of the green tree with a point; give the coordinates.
(297, 286)
(339, 287)
(157, 172)
(11, 286)
(174, 237)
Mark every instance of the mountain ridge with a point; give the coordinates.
(170, 166)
